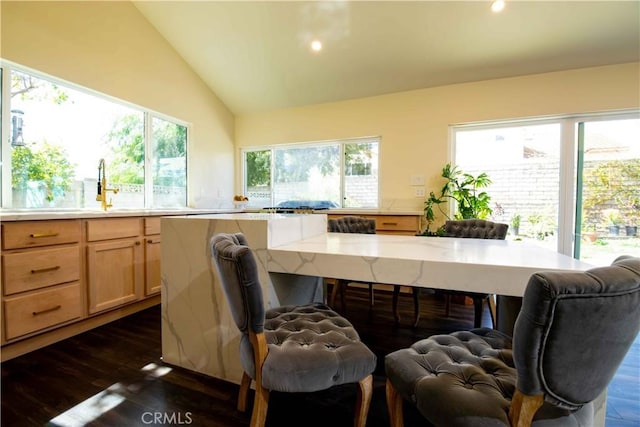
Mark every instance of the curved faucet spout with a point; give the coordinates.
(102, 186)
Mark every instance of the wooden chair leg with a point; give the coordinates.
(415, 292)
(334, 292)
(478, 306)
(343, 290)
(365, 391)
(243, 394)
(260, 406)
(394, 406)
(492, 310)
(523, 408)
(394, 303)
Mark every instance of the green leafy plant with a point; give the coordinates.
(515, 221)
(465, 190)
(48, 164)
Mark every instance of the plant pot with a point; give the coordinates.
(590, 236)
(614, 230)
(631, 230)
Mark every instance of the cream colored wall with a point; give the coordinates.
(111, 48)
(414, 125)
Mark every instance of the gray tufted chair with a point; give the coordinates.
(349, 224)
(573, 331)
(292, 348)
(470, 229)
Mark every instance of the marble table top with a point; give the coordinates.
(492, 266)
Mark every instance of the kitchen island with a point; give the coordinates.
(294, 253)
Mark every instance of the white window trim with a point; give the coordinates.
(568, 157)
(341, 142)
(5, 165)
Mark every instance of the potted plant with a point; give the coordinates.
(465, 190)
(612, 217)
(633, 215)
(515, 224)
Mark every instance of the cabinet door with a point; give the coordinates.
(152, 276)
(115, 273)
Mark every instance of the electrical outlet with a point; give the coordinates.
(419, 192)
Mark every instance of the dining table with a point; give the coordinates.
(295, 254)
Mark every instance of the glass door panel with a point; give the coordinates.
(608, 199)
(523, 163)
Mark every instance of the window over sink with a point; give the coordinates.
(55, 133)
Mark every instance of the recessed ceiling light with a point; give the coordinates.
(316, 46)
(497, 5)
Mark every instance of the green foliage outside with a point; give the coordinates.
(613, 184)
(47, 164)
(294, 164)
(258, 165)
(126, 141)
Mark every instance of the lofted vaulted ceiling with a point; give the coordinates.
(255, 55)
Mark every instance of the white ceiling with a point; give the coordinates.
(255, 54)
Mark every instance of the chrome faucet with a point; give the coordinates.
(102, 186)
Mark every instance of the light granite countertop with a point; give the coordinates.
(44, 214)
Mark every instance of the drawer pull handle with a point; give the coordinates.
(47, 310)
(389, 223)
(38, 235)
(46, 269)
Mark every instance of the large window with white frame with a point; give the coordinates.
(342, 173)
(570, 183)
(55, 133)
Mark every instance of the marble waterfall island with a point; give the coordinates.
(198, 332)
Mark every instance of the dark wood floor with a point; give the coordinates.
(114, 376)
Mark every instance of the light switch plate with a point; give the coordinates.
(417, 180)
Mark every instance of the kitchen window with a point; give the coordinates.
(341, 173)
(54, 134)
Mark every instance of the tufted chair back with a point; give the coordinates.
(476, 229)
(291, 348)
(572, 333)
(352, 224)
(239, 278)
(574, 329)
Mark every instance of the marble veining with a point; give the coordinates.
(198, 331)
(294, 253)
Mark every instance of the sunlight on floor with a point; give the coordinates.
(101, 403)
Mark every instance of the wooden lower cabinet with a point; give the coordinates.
(152, 276)
(63, 277)
(115, 273)
(408, 225)
(30, 312)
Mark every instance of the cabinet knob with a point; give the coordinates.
(137, 242)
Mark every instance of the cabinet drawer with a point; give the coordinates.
(24, 271)
(39, 310)
(112, 228)
(28, 234)
(397, 223)
(152, 225)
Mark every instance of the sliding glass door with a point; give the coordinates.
(608, 190)
(571, 184)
